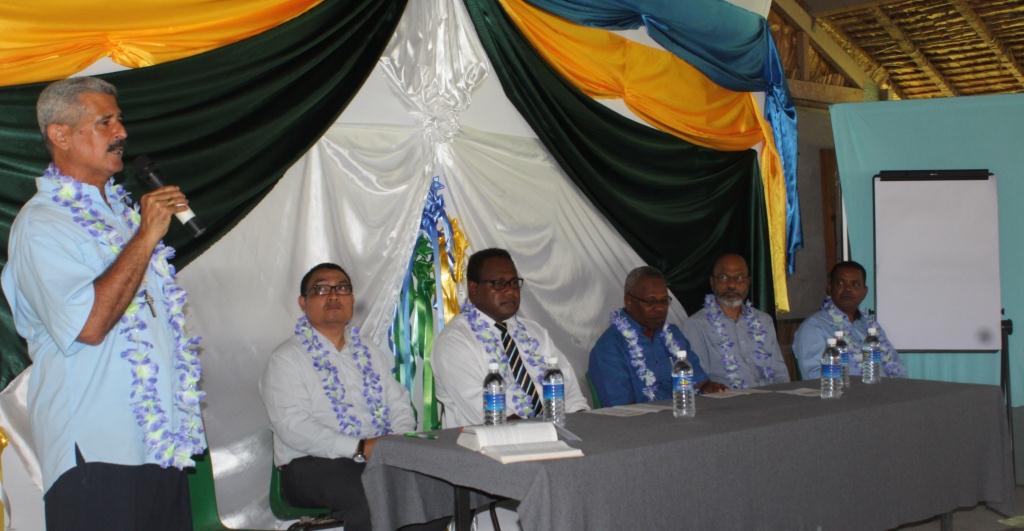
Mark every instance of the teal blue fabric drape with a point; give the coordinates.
(728, 44)
(678, 205)
(224, 125)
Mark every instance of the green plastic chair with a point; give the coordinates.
(596, 400)
(284, 510)
(203, 496)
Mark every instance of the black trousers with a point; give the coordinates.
(337, 485)
(106, 497)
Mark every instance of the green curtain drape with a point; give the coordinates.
(678, 205)
(224, 125)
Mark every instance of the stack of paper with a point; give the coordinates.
(513, 443)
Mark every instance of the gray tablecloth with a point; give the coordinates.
(881, 456)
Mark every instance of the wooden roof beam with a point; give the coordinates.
(825, 44)
(897, 34)
(1003, 53)
(875, 71)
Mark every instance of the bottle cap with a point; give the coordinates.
(681, 354)
(831, 341)
(872, 330)
(551, 360)
(492, 366)
(838, 334)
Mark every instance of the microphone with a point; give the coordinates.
(147, 173)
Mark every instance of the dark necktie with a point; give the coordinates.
(519, 372)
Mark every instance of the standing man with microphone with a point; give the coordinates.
(113, 395)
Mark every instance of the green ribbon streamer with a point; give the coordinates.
(413, 327)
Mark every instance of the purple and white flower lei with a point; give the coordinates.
(762, 358)
(373, 390)
(165, 444)
(636, 353)
(527, 345)
(842, 322)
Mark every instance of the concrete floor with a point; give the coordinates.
(979, 518)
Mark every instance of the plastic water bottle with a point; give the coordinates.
(683, 402)
(871, 351)
(844, 357)
(831, 372)
(494, 396)
(554, 393)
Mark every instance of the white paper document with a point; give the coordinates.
(619, 411)
(521, 441)
(733, 393)
(802, 391)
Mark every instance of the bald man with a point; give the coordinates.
(736, 342)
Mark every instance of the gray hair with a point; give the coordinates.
(639, 273)
(59, 104)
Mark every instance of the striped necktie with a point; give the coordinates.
(519, 372)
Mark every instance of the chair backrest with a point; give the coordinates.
(281, 508)
(594, 399)
(203, 496)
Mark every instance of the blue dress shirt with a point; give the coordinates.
(810, 338)
(616, 379)
(78, 393)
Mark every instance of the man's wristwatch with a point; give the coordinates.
(360, 457)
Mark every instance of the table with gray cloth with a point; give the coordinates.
(881, 456)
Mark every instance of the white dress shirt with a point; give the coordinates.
(460, 365)
(301, 415)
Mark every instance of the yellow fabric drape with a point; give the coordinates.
(452, 277)
(668, 93)
(42, 40)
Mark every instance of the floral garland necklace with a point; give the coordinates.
(841, 321)
(527, 345)
(373, 390)
(726, 346)
(636, 352)
(167, 445)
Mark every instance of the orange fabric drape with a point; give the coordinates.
(42, 40)
(669, 94)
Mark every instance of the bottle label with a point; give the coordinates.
(554, 391)
(844, 358)
(681, 384)
(829, 371)
(494, 402)
(876, 355)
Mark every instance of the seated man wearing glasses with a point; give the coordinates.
(330, 395)
(489, 330)
(632, 360)
(735, 341)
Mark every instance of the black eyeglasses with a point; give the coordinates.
(739, 279)
(323, 289)
(651, 303)
(499, 284)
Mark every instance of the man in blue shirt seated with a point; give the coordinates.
(736, 342)
(632, 360)
(841, 311)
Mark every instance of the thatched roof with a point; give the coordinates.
(911, 48)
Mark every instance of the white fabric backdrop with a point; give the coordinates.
(356, 199)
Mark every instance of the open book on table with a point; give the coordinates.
(521, 441)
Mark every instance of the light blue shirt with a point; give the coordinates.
(707, 343)
(810, 339)
(78, 394)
